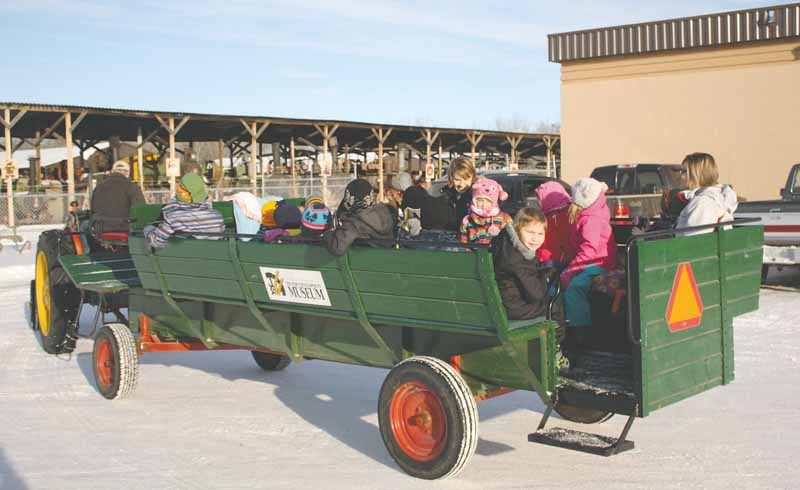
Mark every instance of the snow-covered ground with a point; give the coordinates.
(215, 420)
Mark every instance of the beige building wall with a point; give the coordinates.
(741, 104)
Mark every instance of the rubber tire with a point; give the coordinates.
(459, 408)
(271, 362)
(34, 326)
(582, 415)
(64, 296)
(764, 273)
(125, 370)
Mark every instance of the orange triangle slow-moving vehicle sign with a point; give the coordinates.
(685, 308)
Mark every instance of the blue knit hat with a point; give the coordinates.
(316, 219)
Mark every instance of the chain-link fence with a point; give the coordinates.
(50, 208)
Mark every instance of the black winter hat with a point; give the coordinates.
(358, 194)
(435, 213)
(415, 197)
(287, 215)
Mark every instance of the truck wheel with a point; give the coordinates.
(428, 418)
(115, 361)
(764, 273)
(271, 362)
(55, 297)
(581, 415)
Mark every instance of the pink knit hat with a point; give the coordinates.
(488, 189)
(552, 197)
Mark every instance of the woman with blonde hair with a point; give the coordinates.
(458, 191)
(709, 202)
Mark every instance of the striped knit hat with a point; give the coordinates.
(268, 214)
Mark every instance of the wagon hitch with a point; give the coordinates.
(582, 441)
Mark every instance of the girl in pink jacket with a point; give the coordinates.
(591, 249)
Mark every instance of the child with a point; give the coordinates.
(485, 220)
(592, 250)
(460, 178)
(188, 211)
(523, 269)
(554, 202)
(359, 216)
(287, 219)
(268, 216)
(316, 219)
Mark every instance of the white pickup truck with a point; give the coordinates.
(781, 220)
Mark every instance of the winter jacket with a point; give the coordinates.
(708, 205)
(591, 240)
(377, 222)
(478, 229)
(187, 217)
(458, 206)
(522, 278)
(554, 202)
(112, 201)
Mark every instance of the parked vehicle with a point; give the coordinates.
(781, 221)
(634, 190)
(433, 317)
(519, 185)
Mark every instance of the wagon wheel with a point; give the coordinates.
(54, 297)
(115, 361)
(581, 415)
(271, 362)
(428, 418)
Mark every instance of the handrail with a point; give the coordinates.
(388, 243)
(665, 233)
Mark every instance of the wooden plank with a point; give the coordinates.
(332, 278)
(280, 255)
(674, 356)
(409, 285)
(419, 262)
(685, 381)
(200, 268)
(427, 309)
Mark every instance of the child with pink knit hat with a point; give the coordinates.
(484, 220)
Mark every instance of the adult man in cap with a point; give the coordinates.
(113, 198)
(188, 211)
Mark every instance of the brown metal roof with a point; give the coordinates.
(710, 30)
(102, 123)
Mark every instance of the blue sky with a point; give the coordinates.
(447, 63)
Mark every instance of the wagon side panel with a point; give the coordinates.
(678, 363)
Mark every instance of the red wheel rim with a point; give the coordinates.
(104, 363)
(418, 421)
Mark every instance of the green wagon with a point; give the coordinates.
(434, 318)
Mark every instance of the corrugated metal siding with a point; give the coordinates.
(727, 28)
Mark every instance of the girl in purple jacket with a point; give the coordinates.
(591, 249)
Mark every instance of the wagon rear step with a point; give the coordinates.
(598, 385)
(582, 441)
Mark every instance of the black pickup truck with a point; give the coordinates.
(635, 189)
(520, 186)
